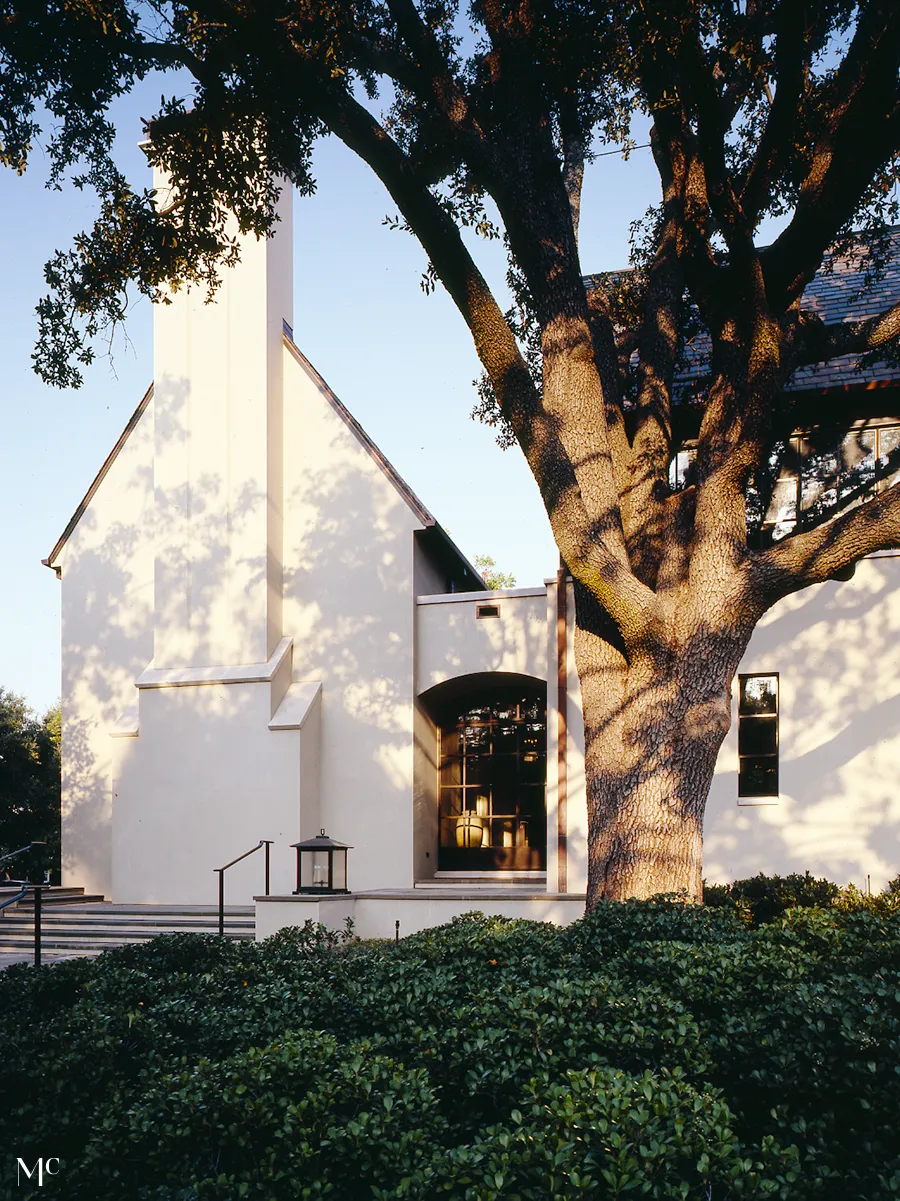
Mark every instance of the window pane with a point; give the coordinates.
(478, 740)
(505, 798)
(888, 456)
(506, 736)
(451, 772)
(758, 777)
(450, 741)
(478, 772)
(858, 474)
(681, 469)
(821, 471)
(782, 514)
(759, 694)
(533, 767)
(451, 802)
(758, 736)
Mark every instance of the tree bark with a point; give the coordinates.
(654, 724)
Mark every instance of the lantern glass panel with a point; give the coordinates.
(339, 870)
(314, 869)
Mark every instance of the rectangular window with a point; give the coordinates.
(758, 736)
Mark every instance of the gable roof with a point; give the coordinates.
(399, 483)
(422, 514)
(98, 479)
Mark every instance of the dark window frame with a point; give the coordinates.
(492, 775)
(755, 763)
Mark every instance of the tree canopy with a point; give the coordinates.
(29, 779)
(491, 573)
(485, 117)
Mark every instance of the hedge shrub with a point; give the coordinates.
(651, 1050)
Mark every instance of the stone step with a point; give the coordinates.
(94, 942)
(147, 929)
(51, 892)
(54, 900)
(94, 926)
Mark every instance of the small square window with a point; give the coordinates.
(487, 611)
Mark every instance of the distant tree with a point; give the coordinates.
(29, 781)
(491, 575)
(756, 108)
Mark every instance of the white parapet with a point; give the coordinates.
(375, 914)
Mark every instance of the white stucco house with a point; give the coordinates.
(266, 633)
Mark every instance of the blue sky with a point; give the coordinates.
(401, 361)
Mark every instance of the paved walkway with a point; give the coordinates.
(10, 957)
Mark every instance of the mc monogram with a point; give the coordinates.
(48, 1166)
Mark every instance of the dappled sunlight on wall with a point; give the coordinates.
(107, 597)
(348, 602)
(211, 582)
(453, 641)
(836, 648)
(204, 781)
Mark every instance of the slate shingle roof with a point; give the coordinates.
(841, 291)
(845, 294)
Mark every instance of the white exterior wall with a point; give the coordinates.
(107, 640)
(349, 605)
(836, 648)
(204, 781)
(452, 641)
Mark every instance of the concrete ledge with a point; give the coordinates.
(376, 913)
(238, 673)
(128, 725)
(452, 598)
(296, 706)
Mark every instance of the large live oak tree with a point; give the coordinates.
(756, 108)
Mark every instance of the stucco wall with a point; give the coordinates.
(837, 649)
(203, 782)
(452, 641)
(107, 640)
(349, 605)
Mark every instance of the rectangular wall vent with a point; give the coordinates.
(487, 611)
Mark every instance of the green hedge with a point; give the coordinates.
(652, 1050)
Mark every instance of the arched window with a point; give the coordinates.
(493, 771)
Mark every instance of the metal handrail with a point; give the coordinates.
(22, 850)
(263, 842)
(26, 885)
(38, 908)
(17, 897)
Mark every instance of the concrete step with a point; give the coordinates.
(54, 901)
(95, 943)
(96, 926)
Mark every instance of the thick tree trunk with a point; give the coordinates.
(654, 724)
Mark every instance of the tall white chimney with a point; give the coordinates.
(218, 459)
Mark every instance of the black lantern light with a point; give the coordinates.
(321, 865)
